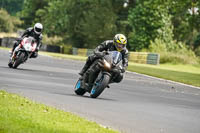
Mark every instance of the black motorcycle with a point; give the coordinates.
(104, 70)
(22, 52)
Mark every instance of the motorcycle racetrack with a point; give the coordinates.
(139, 104)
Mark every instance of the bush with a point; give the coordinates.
(179, 53)
(66, 49)
(149, 22)
(55, 40)
(8, 23)
(197, 51)
(175, 58)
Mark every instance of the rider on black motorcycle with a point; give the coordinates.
(117, 44)
(35, 32)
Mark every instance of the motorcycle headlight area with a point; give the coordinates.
(106, 64)
(28, 47)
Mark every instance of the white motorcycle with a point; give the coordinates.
(22, 52)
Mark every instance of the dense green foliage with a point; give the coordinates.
(30, 8)
(179, 53)
(90, 26)
(8, 23)
(86, 23)
(149, 20)
(186, 20)
(80, 22)
(12, 6)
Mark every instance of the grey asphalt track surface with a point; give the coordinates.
(139, 104)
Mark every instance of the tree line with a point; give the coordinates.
(86, 23)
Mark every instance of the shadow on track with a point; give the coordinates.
(85, 96)
(24, 69)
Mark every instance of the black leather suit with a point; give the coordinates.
(30, 32)
(106, 46)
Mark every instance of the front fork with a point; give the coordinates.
(15, 52)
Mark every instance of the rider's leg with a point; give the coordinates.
(88, 63)
(90, 76)
(34, 55)
(117, 78)
(16, 43)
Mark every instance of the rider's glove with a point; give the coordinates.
(105, 52)
(101, 54)
(116, 70)
(123, 70)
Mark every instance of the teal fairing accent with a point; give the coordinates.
(78, 85)
(94, 88)
(96, 85)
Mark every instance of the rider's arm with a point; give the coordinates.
(125, 60)
(99, 49)
(26, 32)
(39, 42)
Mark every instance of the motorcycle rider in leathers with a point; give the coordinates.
(35, 32)
(117, 44)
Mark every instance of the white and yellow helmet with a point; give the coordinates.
(120, 42)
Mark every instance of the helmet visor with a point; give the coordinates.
(38, 29)
(120, 45)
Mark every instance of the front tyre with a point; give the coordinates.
(78, 90)
(99, 85)
(19, 60)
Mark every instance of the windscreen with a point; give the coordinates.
(30, 40)
(116, 56)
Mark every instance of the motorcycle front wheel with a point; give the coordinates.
(99, 85)
(10, 63)
(19, 60)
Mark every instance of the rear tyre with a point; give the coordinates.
(99, 86)
(78, 90)
(19, 60)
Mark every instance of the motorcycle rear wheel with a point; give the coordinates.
(78, 90)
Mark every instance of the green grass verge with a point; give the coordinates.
(20, 115)
(5, 48)
(64, 56)
(188, 74)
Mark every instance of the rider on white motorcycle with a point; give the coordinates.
(35, 32)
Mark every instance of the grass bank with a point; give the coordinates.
(64, 56)
(20, 115)
(4, 34)
(188, 74)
